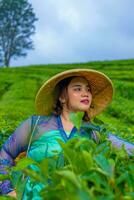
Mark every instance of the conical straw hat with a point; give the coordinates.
(101, 87)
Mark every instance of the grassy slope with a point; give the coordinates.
(18, 87)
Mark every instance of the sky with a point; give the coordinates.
(76, 31)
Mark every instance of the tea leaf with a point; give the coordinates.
(76, 119)
(23, 163)
(71, 177)
(104, 164)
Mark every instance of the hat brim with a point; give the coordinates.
(101, 87)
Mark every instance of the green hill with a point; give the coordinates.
(18, 87)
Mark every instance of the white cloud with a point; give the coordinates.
(80, 31)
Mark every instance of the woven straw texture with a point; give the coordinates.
(101, 87)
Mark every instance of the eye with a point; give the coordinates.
(77, 89)
(88, 89)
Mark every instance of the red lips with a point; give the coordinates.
(85, 101)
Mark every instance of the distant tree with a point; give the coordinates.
(16, 27)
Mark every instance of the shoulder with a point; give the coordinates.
(39, 119)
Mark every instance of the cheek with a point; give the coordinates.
(71, 99)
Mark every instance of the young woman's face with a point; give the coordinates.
(79, 95)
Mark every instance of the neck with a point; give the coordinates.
(65, 115)
(67, 124)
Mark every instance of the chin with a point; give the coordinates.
(86, 108)
(83, 109)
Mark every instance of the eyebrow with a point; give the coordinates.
(79, 85)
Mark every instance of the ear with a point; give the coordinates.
(62, 100)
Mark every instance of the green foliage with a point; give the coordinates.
(90, 171)
(16, 27)
(84, 170)
(7, 198)
(76, 119)
(17, 94)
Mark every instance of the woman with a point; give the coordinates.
(74, 90)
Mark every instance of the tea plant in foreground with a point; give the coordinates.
(84, 170)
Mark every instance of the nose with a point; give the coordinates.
(85, 93)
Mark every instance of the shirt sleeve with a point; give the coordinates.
(119, 142)
(15, 144)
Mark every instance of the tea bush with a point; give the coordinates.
(18, 87)
(90, 170)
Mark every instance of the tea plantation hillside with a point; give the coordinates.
(18, 87)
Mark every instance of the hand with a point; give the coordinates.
(12, 194)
